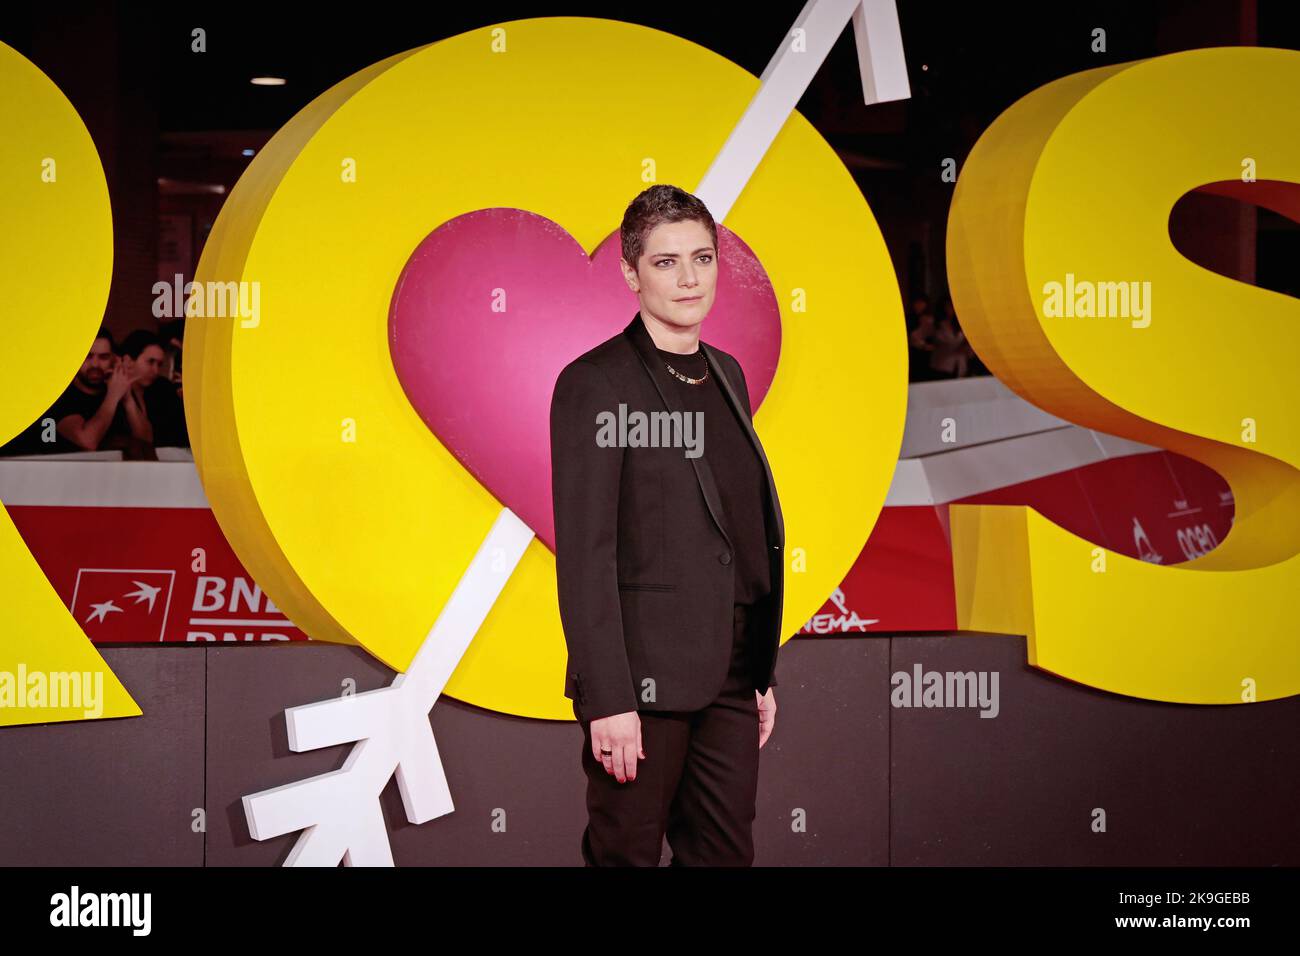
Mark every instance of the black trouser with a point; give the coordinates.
(697, 784)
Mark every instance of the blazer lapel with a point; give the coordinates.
(645, 350)
(644, 347)
(741, 414)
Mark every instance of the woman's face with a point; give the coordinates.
(677, 275)
(149, 365)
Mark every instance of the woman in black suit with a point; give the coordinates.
(669, 542)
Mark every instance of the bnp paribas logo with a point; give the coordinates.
(119, 605)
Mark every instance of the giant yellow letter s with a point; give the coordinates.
(1071, 189)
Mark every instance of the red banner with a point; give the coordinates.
(144, 574)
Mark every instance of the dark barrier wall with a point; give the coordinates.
(871, 784)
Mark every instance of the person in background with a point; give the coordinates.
(43, 436)
(96, 411)
(974, 364)
(172, 336)
(949, 357)
(920, 332)
(154, 390)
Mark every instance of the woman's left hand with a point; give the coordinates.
(766, 715)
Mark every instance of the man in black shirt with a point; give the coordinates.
(97, 410)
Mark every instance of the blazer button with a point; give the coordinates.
(725, 557)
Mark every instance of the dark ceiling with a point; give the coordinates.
(967, 61)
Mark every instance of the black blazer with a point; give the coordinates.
(643, 559)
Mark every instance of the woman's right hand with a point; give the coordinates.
(621, 735)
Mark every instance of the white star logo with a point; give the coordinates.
(100, 610)
(146, 592)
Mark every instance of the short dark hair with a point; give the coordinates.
(654, 206)
(137, 341)
(103, 333)
(175, 329)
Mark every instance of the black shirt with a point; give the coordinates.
(166, 411)
(737, 470)
(73, 401)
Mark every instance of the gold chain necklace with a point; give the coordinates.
(686, 378)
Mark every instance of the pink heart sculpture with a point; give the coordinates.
(493, 304)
